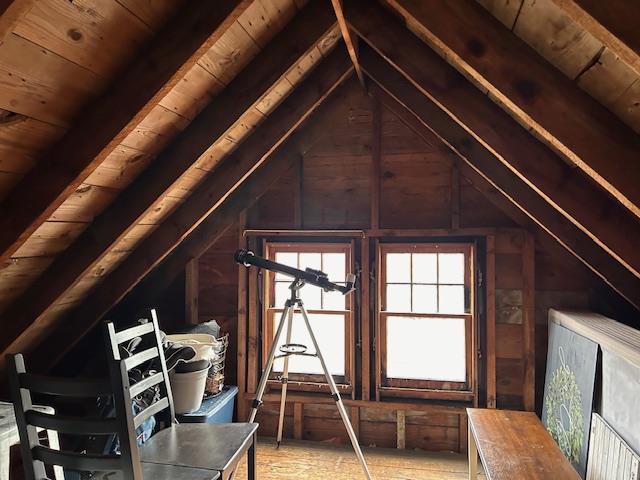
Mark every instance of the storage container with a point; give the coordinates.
(218, 409)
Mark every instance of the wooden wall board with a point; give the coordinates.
(43, 85)
(99, 35)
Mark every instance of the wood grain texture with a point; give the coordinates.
(125, 104)
(516, 445)
(539, 96)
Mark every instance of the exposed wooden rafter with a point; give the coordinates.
(351, 41)
(292, 44)
(531, 90)
(11, 12)
(564, 188)
(612, 22)
(483, 161)
(209, 196)
(110, 118)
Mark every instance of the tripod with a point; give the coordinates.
(289, 349)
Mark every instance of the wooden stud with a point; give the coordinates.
(298, 416)
(355, 420)
(365, 320)
(135, 201)
(529, 322)
(191, 292)
(376, 161)
(455, 196)
(253, 339)
(532, 91)
(490, 288)
(241, 358)
(611, 22)
(463, 432)
(109, 119)
(401, 432)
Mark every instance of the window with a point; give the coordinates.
(425, 317)
(330, 313)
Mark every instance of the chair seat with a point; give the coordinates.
(157, 471)
(200, 445)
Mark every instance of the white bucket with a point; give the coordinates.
(188, 389)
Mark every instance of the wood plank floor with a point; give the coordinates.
(303, 460)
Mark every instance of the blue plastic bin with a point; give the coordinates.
(218, 409)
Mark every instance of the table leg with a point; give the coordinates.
(251, 459)
(4, 459)
(473, 455)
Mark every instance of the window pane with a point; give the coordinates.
(282, 294)
(329, 332)
(426, 348)
(333, 301)
(425, 299)
(310, 296)
(424, 268)
(334, 264)
(398, 267)
(311, 260)
(398, 298)
(288, 258)
(451, 298)
(451, 268)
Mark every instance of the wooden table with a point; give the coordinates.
(514, 445)
(9, 436)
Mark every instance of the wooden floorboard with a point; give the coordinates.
(304, 460)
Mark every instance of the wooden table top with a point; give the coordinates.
(516, 445)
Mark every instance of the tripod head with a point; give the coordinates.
(310, 276)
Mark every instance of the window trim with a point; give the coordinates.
(398, 387)
(310, 382)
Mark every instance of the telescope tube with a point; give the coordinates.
(310, 276)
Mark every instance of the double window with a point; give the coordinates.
(424, 319)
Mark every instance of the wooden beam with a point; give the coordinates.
(293, 43)
(490, 327)
(11, 12)
(110, 118)
(483, 161)
(614, 23)
(376, 161)
(241, 357)
(192, 225)
(529, 322)
(532, 90)
(350, 41)
(564, 188)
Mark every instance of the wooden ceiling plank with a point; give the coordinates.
(11, 12)
(612, 22)
(531, 90)
(203, 205)
(483, 161)
(564, 188)
(138, 203)
(349, 40)
(108, 120)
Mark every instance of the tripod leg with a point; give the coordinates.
(269, 365)
(336, 396)
(285, 374)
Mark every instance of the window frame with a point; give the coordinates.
(271, 314)
(436, 389)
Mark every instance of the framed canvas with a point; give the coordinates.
(568, 392)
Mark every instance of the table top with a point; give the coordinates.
(516, 445)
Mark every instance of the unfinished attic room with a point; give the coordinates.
(320, 239)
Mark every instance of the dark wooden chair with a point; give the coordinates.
(36, 456)
(217, 447)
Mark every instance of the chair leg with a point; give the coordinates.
(251, 459)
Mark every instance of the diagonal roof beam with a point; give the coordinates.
(612, 22)
(564, 188)
(351, 41)
(292, 44)
(209, 196)
(532, 90)
(11, 12)
(483, 161)
(110, 118)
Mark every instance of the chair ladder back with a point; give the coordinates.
(21, 398)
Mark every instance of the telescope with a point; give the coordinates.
(310, 276)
